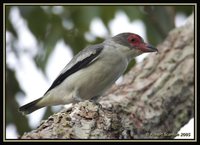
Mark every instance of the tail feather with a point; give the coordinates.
(30, 107)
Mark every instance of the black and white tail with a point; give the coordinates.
(30, 107)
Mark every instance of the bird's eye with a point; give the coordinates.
(133, 40)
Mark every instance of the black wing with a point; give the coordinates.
(80, 63)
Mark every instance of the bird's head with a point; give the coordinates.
(132, 44)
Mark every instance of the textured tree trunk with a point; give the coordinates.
(155, 99)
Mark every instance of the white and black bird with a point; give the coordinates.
(92, 71)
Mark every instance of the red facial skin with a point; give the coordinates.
(137, 42)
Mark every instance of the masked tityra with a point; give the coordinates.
(92, 71)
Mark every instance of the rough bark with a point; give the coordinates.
(155, 99)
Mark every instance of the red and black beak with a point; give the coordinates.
(148, 48)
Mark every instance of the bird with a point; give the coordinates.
(92, 71)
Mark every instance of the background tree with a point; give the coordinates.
(48, 26)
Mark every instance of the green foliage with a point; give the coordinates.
(12, 114)
(70, 23)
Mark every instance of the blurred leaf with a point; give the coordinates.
(184, 9)
(107, 14)
(37, 20)
(12, 114)
(159, 21)
(9, 26)
(53, 34)
(133, 12)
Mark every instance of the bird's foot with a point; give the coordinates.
(97, 104)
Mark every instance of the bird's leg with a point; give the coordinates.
(77, 97)
(94, 100)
